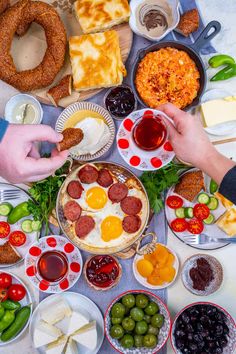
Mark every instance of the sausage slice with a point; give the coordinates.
(84, 226)
(104, 178)
(88, 174)
(131, 205)
(72, 211)
(131, 223)
(117, 192)
(74, 189)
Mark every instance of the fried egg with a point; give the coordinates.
(94, 197)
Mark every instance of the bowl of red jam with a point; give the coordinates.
(120, 101)
(102, 272)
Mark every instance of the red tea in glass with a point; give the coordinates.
(52, 266)
(149, 133)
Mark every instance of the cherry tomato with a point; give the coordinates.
(195, 226)
(17, 238)
(5, 280)
(16, 292)
(3, 294)
(201, 211)
(174, 202)
(4, 229)
(179, 225)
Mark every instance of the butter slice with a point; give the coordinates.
(218, 111)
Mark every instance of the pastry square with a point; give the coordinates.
(227, 222)
(98, 15)
(96, 61)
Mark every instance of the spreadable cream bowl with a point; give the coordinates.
(133, 21)
(20, 100)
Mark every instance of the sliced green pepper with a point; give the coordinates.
(213, 186)
(7, 319)
(225, 74)
(220, 59)
(19, 212)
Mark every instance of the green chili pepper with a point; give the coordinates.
(22, 317)
(226, 73)
(10, 305)
(7, 319)
(19, 212)
(221, 59)
(2, 311)
(213, 186)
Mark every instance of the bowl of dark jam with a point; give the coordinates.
(120, 101)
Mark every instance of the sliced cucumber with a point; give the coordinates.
(5, 209)
(210, 220)
(213, 186)
(26, 226)
(203, 198)
(213, 204)
(36, 225)
(180, 213)
(188, 213)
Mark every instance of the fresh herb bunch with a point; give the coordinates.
(156, 183)
(44, 194)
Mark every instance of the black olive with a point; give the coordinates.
(197, 337)
(189, 328)
(180, 344)
(190, 337)
(226, 329)
(199, 327)
(223, 342)
(205, 333)
(218, 350)
(180, 333)
(219, 330)
(185, 318)
(193, 346)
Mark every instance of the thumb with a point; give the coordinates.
(43, 133)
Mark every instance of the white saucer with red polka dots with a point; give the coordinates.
(66, 249)
(132, 154)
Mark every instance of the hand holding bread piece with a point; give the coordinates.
(72, 137)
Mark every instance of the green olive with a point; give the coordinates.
(141, 327)
(157, 320)
(118, 310)
(152, 308)
(127, 341)
(116, 320)
(150, 341)
(138, 341)
(136, 314)
(117, 331)
(128, 324)
(141, 301)
(153, 330)
(128, 301)
(147, 318)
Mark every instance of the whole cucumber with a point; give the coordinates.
(11, 305)
(19, 212)
(22, 317)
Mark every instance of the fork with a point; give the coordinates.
(9, 194)
(203, 239)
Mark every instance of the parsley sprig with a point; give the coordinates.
(157, 182)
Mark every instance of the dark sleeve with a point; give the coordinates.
(228, 185)
(3, 127)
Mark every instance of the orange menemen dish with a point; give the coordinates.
(157, 267)
(167, 75)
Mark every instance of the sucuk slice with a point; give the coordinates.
(72, 211)
(117, 192)
(131, 205)
(131, 223)
(74, 189)
(104, 178)
(84, 226)
(88, 174)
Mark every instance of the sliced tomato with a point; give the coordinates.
(17, 238)
(3, 294)
(174, 202)
(201, 211)
(179, 225)
(4, 229)
(195, 226)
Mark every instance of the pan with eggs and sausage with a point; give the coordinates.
(102, 207)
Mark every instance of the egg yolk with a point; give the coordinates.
(96, 198)
(111, 228)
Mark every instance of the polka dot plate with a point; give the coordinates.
(134, 156)
(54, 243)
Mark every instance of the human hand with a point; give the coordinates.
(19, 158)
(188, 138)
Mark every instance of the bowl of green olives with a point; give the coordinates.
(137, 322)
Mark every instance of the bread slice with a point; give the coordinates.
(8, 254)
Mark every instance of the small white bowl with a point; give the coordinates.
(22, 98)
(143, 281)
(134, 4)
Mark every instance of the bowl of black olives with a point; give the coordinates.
(137, 322)
(203, 328)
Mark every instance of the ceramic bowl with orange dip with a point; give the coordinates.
(156, 270)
